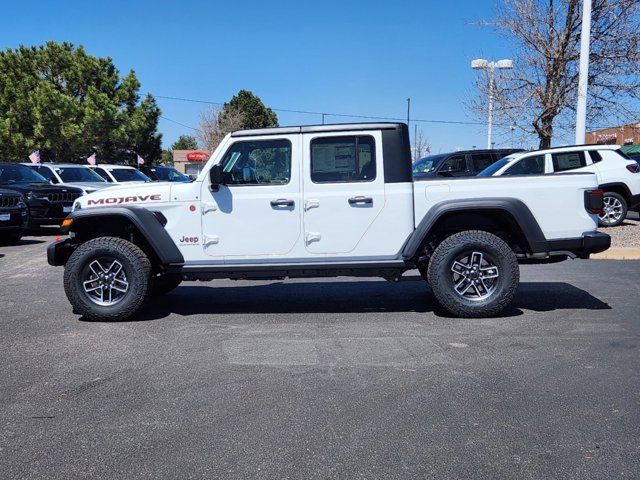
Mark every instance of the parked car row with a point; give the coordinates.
(33, 195)
(617, 174)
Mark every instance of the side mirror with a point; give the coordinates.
(215, 177)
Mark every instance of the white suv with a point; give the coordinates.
(120, 174)
(617, 175)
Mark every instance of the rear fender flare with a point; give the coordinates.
(515, 208)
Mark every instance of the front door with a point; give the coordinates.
(256, 213)
(343, 185)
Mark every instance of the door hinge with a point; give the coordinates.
(208, 207)
(311, 203)
(210, 240)
(310, 237)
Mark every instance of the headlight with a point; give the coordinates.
(77, 206)
(21, 204)
(30, 196)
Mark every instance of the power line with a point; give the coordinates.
(333, 114)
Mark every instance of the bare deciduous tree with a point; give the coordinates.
(541, 92)
(420, 146)
(215, 123)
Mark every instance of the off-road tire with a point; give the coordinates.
(137, 268)
(440, 278)
(163, 284)
(625, 207)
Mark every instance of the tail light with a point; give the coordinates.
(594, 201)
(634, 168)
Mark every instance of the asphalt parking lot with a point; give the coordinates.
(345, 378)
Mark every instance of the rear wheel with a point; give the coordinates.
(615, 210)
(473, 274)
(107, 278)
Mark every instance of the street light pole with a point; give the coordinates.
(490, 67)
(583, 79)
(491, 72)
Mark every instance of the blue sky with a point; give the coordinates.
(354, 57)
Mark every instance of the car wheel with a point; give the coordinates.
(615, 210)
(164, 283)
(107, 278)
(473, 274)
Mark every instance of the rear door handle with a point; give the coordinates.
(356, 200)
(282, 202)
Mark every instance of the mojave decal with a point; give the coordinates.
(130, 199)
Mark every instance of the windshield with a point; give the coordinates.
(78, 174)
(427, 164)
(168, 174)
(129, 175)
(491, 169)
(19, 174)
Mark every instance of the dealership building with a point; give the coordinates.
(623, 135)
(190, 162)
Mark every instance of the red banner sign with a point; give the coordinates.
(197, 156)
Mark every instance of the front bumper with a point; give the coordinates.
(582, 247)
(18, 218)
(46, 213)
(59, 251)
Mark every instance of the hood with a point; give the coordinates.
(39, 187)
(87, 186)
(130, 193)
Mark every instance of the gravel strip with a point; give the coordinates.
(626, 235)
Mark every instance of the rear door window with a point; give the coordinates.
(480, 161)
(527, 166)
(568, 161)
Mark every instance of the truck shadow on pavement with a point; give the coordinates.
(349, 297)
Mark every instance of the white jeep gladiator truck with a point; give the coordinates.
(323, 201)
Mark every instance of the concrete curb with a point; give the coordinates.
(618, 254)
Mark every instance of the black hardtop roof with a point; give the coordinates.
(338, 127)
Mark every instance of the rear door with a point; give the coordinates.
(344, 190)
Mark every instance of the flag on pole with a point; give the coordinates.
(92, 159)
(140, 160)
(35, 157)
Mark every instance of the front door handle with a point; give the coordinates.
(358, 200)
(282, 202)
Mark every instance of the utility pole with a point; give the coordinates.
(408, 110)
(416, 154)
(583, 79)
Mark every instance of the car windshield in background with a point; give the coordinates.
(426, 164)
(19, 174)
(78, 174)
(129, 175)
(491, 169)
(170, 175)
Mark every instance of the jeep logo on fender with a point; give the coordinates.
(119, 200)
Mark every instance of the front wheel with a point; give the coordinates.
(107, 278)
(615, 210)
(473, 274)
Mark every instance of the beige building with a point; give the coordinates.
(623, 135)
(190, 162)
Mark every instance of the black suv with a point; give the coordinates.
(13, 216)
(48, 204)
(162, 173)
(465, 163)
